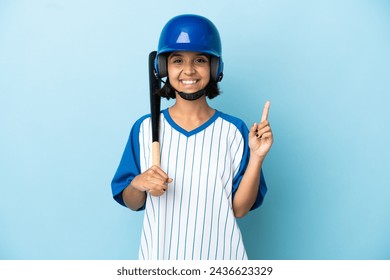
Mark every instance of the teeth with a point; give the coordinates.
(189, 82)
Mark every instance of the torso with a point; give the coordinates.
(194, 218)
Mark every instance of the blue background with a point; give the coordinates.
(73, 79)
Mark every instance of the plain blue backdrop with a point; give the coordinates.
(73, 79)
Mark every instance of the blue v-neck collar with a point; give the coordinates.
(194, 131)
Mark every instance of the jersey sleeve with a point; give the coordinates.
(244, 163)
(129, 165)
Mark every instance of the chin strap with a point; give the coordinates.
(191, 96)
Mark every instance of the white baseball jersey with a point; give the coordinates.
(194, 218)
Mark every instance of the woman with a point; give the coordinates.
(211, 163)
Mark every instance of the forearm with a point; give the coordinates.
(248, 189)
(133, 198)
(154, 180)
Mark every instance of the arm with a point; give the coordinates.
(154, 180)
(248, 189)
(133, 198)
(130, 184)
(260, 142)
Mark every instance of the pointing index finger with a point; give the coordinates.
(265, 111)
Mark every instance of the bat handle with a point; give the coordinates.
(156, 153)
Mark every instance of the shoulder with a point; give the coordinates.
(142, 119)
(138, 126)
(140, 122)
(237, 122)
(147, 117)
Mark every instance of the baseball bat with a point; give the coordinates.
(155, 103)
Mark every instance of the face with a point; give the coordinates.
(188, 72)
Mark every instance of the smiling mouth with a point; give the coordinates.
(189, 82)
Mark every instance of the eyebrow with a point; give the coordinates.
(179, 54)
(174, 54)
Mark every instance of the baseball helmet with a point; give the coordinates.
(190, 33)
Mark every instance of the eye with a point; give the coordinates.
(202, 60)
(175, 60)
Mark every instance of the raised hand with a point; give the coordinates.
(260, 135)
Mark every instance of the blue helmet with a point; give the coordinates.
(190, 33)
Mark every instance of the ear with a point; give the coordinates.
(216, 69)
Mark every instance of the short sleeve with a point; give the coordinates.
(129, 165)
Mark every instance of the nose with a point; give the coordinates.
(188, 68)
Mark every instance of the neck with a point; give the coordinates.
(196, 108)
(190, 115)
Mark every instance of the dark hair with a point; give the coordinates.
(167, 91)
